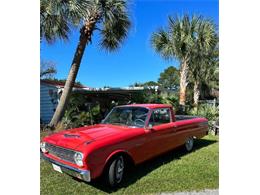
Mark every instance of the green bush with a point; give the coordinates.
(73, 119)
(153, 98)
(206, 111)
(79, 114)
(146, 97)
(172, 100)
(159, 99)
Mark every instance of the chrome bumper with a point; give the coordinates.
(81, 174)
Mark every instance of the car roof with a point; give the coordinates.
(150, 106)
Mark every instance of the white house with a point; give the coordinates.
(51, 91)
(49, 97)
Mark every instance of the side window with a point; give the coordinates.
(160, 116)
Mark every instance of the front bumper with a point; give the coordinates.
(81, 174)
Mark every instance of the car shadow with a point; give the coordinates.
(139, 171)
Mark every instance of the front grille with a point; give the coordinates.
(62, 153)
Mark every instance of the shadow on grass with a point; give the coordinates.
(143, 169)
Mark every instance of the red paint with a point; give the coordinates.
(105, 140)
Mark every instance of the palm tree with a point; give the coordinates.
(110, 18)
(204, 57)
(177, 41)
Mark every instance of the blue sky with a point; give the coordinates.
(135, 61)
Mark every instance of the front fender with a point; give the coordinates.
(98, 168)
(117, 152)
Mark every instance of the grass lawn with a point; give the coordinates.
(173, 171)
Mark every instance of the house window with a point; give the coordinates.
(160, 116)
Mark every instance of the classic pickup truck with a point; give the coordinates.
(130, 133)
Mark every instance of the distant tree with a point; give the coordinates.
(169, 78)
(109, 17)
(146, 84)
(136, 84)
(64, 81)
(48, 69)
(150, 83)
(177, 41)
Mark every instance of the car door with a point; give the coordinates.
(161, 129)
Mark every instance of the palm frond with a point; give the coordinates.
(115, 23)
(53, 27)
(162, 43)
(182, 30)
(57, 17)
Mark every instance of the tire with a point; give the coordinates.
(116, 171)
(189, 144)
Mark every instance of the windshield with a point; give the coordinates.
(129, 116)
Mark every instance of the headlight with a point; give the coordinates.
(78, 158)
(43, 149)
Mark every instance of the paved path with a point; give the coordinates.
(204, 192)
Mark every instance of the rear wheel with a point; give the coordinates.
(116, 171)
(189, 144)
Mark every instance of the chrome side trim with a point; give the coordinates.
(81, 174)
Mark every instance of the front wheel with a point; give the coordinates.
(116, 171)
(189, 144)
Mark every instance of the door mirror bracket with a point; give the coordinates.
(150, 127)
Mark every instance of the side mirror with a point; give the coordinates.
(150, 127)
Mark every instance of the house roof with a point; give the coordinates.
(61, 84)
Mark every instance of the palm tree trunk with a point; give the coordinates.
(183, 82)
(196, 93)
(85, 36)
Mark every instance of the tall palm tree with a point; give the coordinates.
(204, 58)
(111, 19)
(177, 41)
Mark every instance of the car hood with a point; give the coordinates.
(84, 135)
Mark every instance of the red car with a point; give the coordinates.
(130, 133)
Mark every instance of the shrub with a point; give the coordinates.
(206, 111)
(160, 99)
(73, 118)
(153, 98)
(146, 97)
(172, 100)
(79, 113)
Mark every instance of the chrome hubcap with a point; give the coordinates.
(189, 144)
(119, 169)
